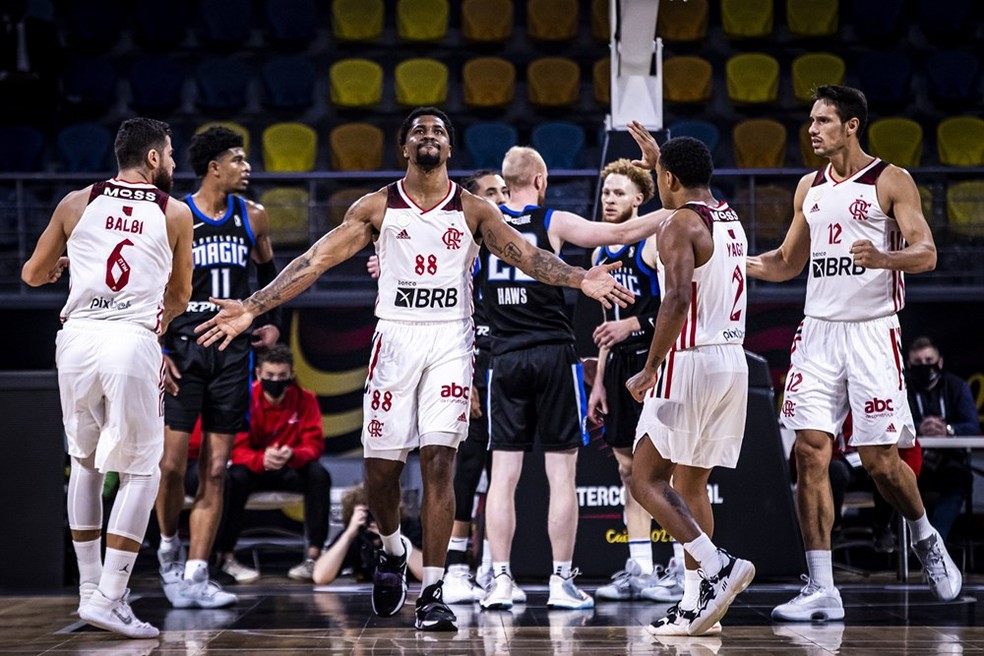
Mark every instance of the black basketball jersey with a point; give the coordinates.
(637, 276)
(522, 311)
(221, 249)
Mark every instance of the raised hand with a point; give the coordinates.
(599, 284)
(233, 318)
(647, 144)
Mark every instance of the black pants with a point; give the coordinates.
(312, 480)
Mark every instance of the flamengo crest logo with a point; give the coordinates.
(859, 209)
(452, 239)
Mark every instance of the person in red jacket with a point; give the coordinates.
(279, 452)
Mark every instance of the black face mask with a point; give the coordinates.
(275, 388)
(924, 375)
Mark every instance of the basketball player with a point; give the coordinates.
(230, 233)
(417, 391)
(694, 385)
(859, 222)
(130, 260)
(623, 342)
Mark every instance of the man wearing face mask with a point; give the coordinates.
(942, 406)
(280, 452)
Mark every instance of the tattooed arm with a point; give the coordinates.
(509, 245)
(351, 236)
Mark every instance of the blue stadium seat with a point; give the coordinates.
(289, 83)
(488, 142)
(93, 26)
(954, 77)
(704, 131)
(222, 84)
(886, 77)
(292, 22)
(878, 19)
(89, 84)
(155, 84)
(945, 20)
(23, 149)
(86, 148)
(226, 23)
(560, 143)
(161, 30)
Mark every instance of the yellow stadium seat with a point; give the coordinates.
(422, 20)
(356, 83)
(288, 209)
(812, 17)
(600, 21)
(752, 77)
(960, 141)
(421, 81)
(340, 201)
(229, 125)
(687, 79)
(815, 69)
(747, 18)
(356, 147)
(965, 208)
(759, 143)
(601, 74)
(551, 20)
(810, 159)
(926, 199)
(553, 82)
(682, 21)
(357, 20)
(289, 147)
(769, 215)
(487, 21)
(488, 82)
(898, 141)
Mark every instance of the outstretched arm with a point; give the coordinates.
(47, 262)
(340, 244)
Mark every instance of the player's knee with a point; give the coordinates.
(811, 457)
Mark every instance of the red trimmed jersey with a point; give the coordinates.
(840, 212)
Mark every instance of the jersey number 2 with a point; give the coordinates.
(739, 280)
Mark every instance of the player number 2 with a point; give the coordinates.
(423, 266)
(739, 280)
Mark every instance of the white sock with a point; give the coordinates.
(192, 566)
(486, 555)
(458, 544)
(501, 568)
(641, 551)
(170, 543)
(705, 553)
(562, 568)
(821, 570)
(691, 589)
(393, 545)
(90, 560)
(431, 576)
(116, 572)
(920, 529)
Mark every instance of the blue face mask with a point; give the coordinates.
(275, 388)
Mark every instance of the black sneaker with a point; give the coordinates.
(389, 582)
(432, 613)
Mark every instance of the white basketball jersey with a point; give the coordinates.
(119, 256)
(840, 213)
(425, 259)
(717, 307)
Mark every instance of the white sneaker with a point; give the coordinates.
(564, 594)
(85, 594)
(499, 596)
(200, 592)
(669, 586)
(812, 604)
(718, 591)
(519, 595)
(483, 577)
(626, 584)
(241, 573)
(677, 623)
(303, 571)
(458, 586)
(939, 569)
(116, 616)
(172, 577)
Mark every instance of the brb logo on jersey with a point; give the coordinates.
(452, 239)
(825, 267)
(859, 209)
(424, 297)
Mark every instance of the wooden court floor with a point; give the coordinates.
(278, 616)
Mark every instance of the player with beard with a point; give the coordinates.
(427, 232)
(230, 232)
(130, 261)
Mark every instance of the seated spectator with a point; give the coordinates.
(942, 406)
(279, 452)
(353, 551)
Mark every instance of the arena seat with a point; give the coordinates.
(744, 19)
(960, 141)
(488, 142)
(815, 69)
(812, 18)
(551, 20)
(560, 143)
(289, 83)
(86, 147)
(687, 79)
(356, 147)
(487, 21)
(288, 209)
(553, 82)
(759, 143)
(422, 20)
(752, 77)
(682, 21)
(357, 20)
(421, 81)
(488, 82)
(898, 141)
(356, 82)
(289, 147)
